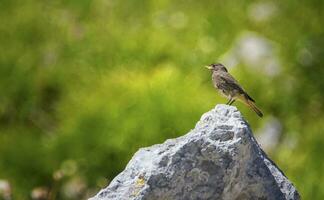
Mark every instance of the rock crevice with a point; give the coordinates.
(218, 159)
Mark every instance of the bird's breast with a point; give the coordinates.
(219, 84)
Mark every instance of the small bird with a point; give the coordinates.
(230, 88)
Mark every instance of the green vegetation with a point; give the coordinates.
(84, 84)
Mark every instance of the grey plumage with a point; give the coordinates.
(229, 87)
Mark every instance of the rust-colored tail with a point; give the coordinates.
(250, 102)
(256, 109)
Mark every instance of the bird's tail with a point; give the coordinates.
(249, 102)
(255, 108)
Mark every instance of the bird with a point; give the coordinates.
(230, 88)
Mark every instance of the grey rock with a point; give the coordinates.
(218, 159)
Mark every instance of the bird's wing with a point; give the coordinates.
(230, 81)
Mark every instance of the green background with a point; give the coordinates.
(84, 84)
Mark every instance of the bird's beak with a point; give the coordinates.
(209, 67)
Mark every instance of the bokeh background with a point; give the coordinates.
(85, 83)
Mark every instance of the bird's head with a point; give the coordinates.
(216, 67)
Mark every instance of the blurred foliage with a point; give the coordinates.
(84, 84)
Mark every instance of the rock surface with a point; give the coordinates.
(218, 159)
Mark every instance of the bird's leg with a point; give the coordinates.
(232, 101)
(229, 101)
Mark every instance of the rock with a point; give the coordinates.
(218, 159)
